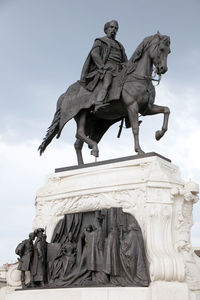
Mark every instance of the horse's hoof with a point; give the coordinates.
(140, 152)
(95, 153)
(159, 134)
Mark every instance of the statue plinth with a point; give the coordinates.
(149, 188)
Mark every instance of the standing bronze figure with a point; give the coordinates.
(112, 89)
(25, 251)
(39, 259)
(95, 248)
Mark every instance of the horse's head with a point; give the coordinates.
(158, 51)
(158, 47)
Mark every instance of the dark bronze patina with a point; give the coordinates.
(33, 258)
(39, 267)
(25, 251)
(112, 89)
(99, 248)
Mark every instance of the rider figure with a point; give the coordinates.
(103, 62)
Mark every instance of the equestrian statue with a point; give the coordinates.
(112, 89)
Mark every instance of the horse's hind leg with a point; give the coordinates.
(78, 145)
(80, 134)
(157, 109)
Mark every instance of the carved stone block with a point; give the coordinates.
(149, 188)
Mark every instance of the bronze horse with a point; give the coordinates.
(137, 95)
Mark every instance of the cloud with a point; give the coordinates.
(22, 173)
(181, 142)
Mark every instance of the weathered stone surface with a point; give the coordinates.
(151, 189)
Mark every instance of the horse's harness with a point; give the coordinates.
(144, 77)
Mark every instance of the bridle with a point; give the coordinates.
(148, 77)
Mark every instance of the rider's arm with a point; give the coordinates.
(97, 58)
(125, 58)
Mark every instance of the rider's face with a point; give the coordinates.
(112, 30)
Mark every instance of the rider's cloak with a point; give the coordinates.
(90, 73)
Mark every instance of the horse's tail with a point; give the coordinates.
(51, 132)
(53, 128)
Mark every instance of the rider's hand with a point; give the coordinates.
(101, 70)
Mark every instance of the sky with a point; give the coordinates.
(44, 44)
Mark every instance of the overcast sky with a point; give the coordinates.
(44, 44)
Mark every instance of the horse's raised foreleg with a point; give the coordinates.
(157, 109)
(78, 145)
(133, 118)
(80, 134)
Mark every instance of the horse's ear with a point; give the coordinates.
(158, 34)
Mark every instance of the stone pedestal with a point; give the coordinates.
(82, 294)
(151, 189)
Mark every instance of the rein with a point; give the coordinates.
(144, 77)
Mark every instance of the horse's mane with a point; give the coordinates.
(132, 62)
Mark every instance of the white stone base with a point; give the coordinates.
(157, 291)
(152, 190)
(82, 294)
